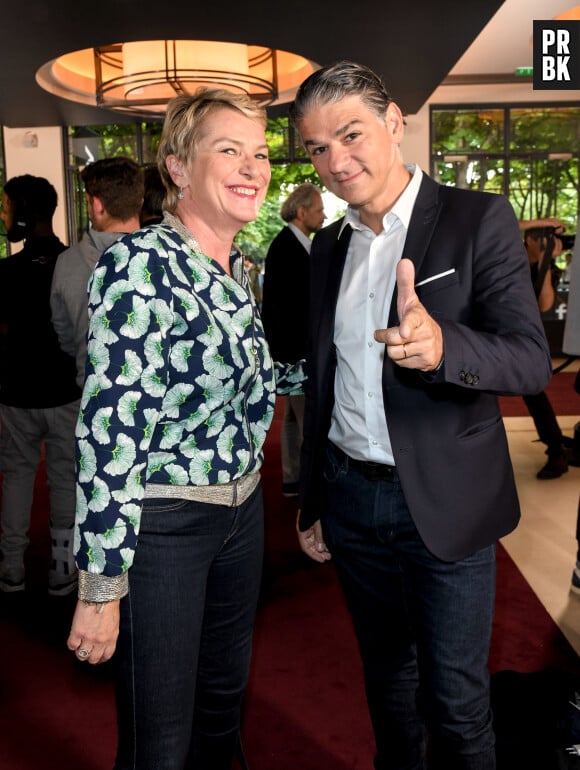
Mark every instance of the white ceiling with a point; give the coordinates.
(485, 73)
(506, 41)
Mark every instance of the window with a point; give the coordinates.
(290, 166)
(86, 144)
(531, 154)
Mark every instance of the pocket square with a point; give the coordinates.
(435, 277)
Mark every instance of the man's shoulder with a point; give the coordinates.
(459, 195)
(285, 236)
(284, 242)
(69, 251)
(68, 259)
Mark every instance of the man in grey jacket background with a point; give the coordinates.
(114, 190)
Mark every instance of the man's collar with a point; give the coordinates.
(402, 208)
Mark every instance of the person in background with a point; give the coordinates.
(114, 194)
(285, 310)
(571, 346)
(406, 479)
(179, 396)
(542, 244)
(152, 208)
(575, 584)
(39, 397)
(571, 337)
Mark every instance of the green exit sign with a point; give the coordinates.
(524, 71)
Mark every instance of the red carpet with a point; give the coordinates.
(305, 707)
(560, 391)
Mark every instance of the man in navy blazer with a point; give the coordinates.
(285, 310)
(421, 313)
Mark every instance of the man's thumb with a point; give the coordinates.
(405, 284)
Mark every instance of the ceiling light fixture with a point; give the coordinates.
(572, 14)
(141, 77)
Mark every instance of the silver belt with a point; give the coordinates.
(231, 494)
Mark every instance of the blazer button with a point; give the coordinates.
(462, 376)
(475, 379)
(469, 378)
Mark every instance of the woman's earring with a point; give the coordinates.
(180, 194)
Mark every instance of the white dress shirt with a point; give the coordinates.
(359, 426)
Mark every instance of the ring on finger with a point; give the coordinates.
(82, 653)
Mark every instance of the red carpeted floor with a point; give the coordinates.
(305, 706)
(560, 391)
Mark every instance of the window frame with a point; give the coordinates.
(508, 155)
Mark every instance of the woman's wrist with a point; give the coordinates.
(99, 589)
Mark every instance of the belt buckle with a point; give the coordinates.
(378, 472)
(373, 471)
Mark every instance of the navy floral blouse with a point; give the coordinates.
(180, 386)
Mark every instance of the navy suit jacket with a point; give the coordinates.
(285, 297)
(447, 433)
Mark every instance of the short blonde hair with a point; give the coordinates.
(183, 125)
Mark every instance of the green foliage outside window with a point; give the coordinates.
(553, 129)
(467, 130)
(86, 144)
(531, 154)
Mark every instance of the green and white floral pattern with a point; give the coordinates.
(180, 387)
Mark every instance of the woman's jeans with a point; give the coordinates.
(186, 634)
(423, 627)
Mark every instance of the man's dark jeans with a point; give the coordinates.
(423, 626)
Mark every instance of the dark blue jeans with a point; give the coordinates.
(186, 634)
(423, 627)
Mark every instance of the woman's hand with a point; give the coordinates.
(94, 631)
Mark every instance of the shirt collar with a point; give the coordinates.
(402, 208)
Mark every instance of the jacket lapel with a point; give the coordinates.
(423, 220)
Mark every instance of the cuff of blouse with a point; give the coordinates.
(102, 588)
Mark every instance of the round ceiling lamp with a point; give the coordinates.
(141, 77)
(572, 14)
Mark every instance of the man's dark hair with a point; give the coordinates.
(118, 183)
(152, 208)
(33, 197)
(335, 82)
